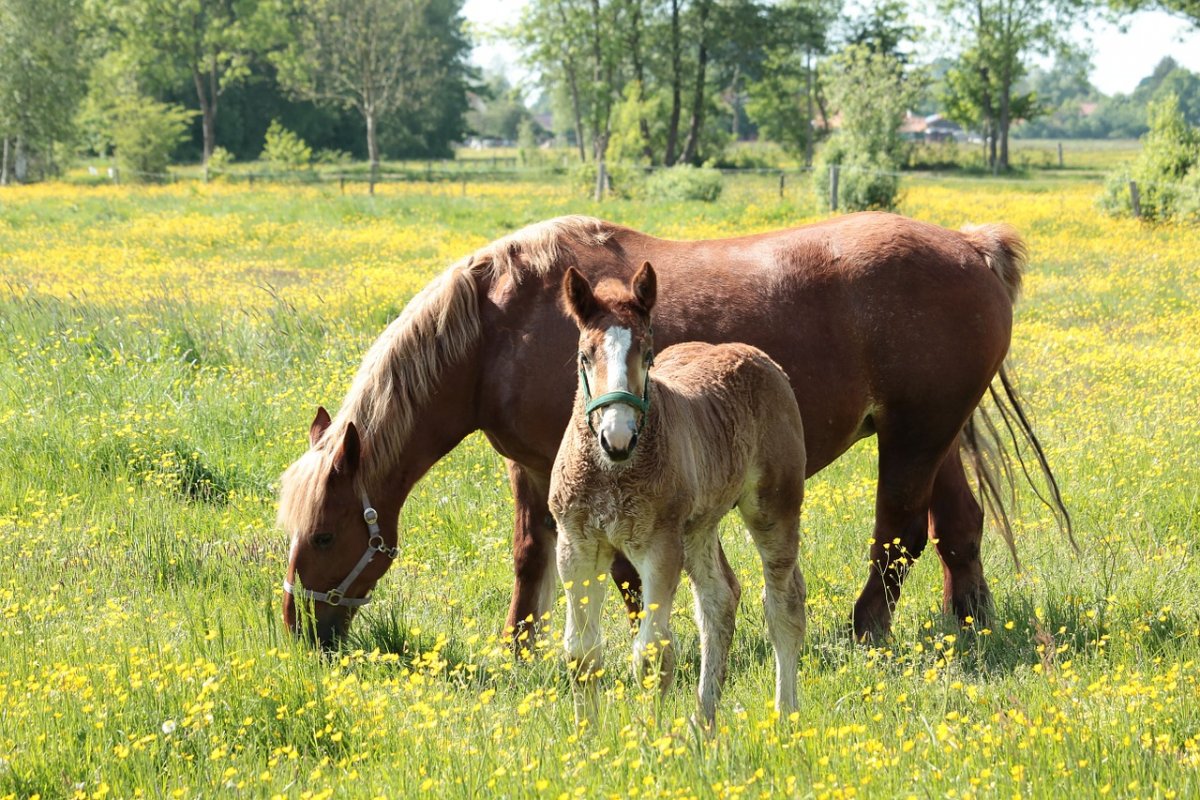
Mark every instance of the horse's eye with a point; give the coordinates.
(648, 358)
(322, 541)
(583, 360)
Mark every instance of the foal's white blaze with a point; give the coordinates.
(618, 422)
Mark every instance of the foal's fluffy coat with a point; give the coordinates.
(723, 429)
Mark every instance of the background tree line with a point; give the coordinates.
(660, 82)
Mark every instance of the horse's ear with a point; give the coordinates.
(645, 286)
(577, 296)
(319, 426)
(350, 453)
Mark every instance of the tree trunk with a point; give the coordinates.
(573, 83)
(1005, 122)
(676, 87)
(808, 123)
(21, 162)
(208, 114)
(733, 102)
(4, 164)
(372, 148)
(639, 74)
(693, 140)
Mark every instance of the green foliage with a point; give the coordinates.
(866, 181)
(284, 150)
(1166, 171)
(872, 91)
(219, 161)
(144, 133)
(684, 182)
(41, 75)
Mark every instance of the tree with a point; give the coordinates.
(1188, 9)
(872, 91)
(374, 56)
(783, 96)
(209, 43)
(1000, 36)
(41, 78)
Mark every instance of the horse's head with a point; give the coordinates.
(616, 349)
(338, 550)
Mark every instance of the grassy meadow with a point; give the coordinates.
(163, 349)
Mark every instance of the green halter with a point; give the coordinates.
(642, 403)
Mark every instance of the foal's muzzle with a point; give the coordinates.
(613, 453)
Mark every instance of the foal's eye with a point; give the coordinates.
(322, 541)
(584, 361)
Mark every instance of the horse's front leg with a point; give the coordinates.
(533, 556)
(582, 562)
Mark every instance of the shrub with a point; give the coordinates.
(865, 182)
(144, 133)
(624, 180)
(284, 150)
(219, 161)
(684, 182)
(1163, 170)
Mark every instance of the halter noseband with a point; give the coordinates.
(375, 544)
(642, 403)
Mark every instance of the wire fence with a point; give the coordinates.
(744, 181)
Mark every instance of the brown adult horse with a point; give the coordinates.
(885, 325)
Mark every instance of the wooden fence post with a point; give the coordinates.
(1060, 158)
(833, 186)
(1135, 200)
(782, 179)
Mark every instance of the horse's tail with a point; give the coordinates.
(1000, 429)
(1003, 250)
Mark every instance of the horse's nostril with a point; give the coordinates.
(633, 441)
(604, 445)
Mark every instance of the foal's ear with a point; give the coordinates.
(350, 454)
(318, 427)
(645, 286)
(577, 296)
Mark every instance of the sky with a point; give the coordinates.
(1120, 58)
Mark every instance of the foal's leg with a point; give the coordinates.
(776, 535)
(581, 563)
(533, 555)
(660, 564)
(716, 593)
(956, 526)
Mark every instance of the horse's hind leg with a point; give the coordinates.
(776, 534)
(715, 594)
(956, 526)
(907, 465)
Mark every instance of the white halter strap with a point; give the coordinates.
(375, 544)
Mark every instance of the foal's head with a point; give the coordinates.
(616, 349)
(324, 509)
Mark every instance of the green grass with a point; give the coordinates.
(162, 352)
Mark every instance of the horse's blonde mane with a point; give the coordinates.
(399, 373)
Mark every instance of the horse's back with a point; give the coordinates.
(742, 390)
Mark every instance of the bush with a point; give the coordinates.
(864, 182)
(144, 133)
(624, 180)
(284, 150)
(219, 161)
(684, 182)
(1164, 170)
